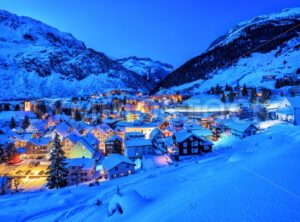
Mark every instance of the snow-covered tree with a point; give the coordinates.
(26, 122)
(2, 154)
(57, 170)
(78, 116)
(223, 98)
(11, 151)
(231, 97)
(253, 96)
(17, 107)
(12, 123)
(57, 107)
(218, 90)
(245, 91)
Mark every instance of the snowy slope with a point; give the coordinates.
(255, 180)
(151, 70)
(37, 60)
(251, 70)
(252, 49)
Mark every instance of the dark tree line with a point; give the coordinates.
(7, 152)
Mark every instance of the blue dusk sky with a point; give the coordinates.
(172, 31)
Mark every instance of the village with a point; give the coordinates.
(110, 135)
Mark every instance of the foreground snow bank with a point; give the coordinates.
(257, 180)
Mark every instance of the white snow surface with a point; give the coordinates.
(146, 67)
(250, 70)
(37, 61)
(277, 18)
(255, 179)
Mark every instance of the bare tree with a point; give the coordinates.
(16, 182)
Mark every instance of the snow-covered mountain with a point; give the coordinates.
(151, 70)
(265, 45)
(37, 60)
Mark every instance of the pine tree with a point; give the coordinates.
(17, 107)
(40, 108)
(227, 88)
(25, 123)
(278, 84)
(263, 97)
(11, 151)
(12, 124)
(223, 98)
(2, 154)
(245, 91)
(253, 96)
(78, 116)
(57, 170)
(231, 97)
(218, 90)
(57, 107)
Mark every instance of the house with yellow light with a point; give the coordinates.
(82, 149)
(146, 129)
(133, 115)
(69, 142)
(27, 106)
(102, 133)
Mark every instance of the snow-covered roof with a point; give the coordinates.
(114, 160)
(4, 139)
(85, 163)
(285, 111)
(73, 137)
(83, 126)
(113, 138)
(63, 129)
(18, 115)
(238, 125)
(155, 132)
(294, 101)
(87, 145)
(104, 128)
(185, 134)
(23, 137)
(138, 142)
(91, 139)
(132, 135)
(40, 141)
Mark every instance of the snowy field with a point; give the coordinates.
(256, 179)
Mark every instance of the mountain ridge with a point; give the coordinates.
(236, 44)
(37, 60)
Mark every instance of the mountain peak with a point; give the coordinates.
(262, 34)
(285, 17)
(37, 60)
